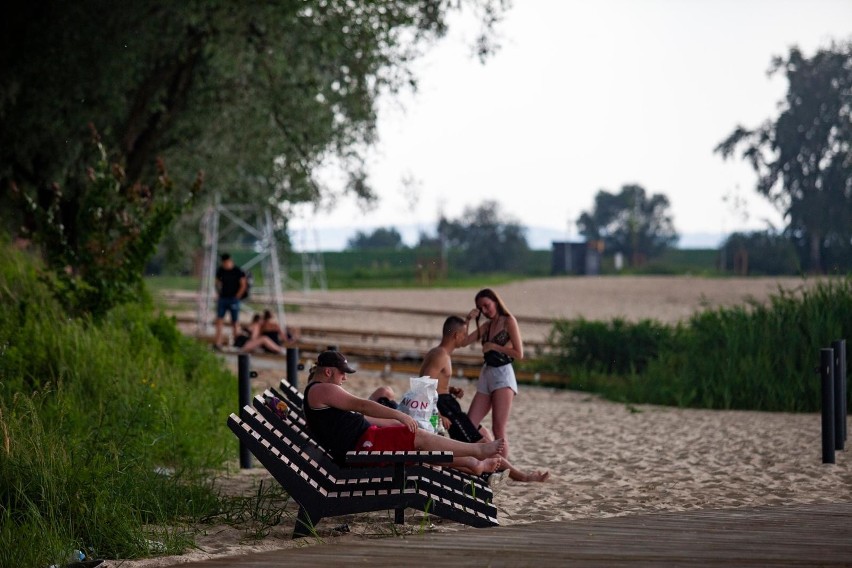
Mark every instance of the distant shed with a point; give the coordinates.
(582, 259)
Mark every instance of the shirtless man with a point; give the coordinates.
(438, 364)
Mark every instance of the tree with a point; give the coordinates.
(802, 158)
(486, 240)
(381, 238)
(630, 223)
(99, 230)
(259, 95)
(761, 252)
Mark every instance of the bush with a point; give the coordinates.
(104, 427)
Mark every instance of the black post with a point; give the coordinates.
(826, 371)
(293, 366)
(840, 390)
(244, 390)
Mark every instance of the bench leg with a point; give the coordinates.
(305, 523)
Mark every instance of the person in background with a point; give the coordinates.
(270, 328)
(231, 285)
(501, 344)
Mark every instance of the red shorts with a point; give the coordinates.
(386, 439)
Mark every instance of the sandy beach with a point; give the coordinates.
(605, 458)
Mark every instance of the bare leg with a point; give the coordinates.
(217, 340)
(480, 406)
(262, 341)
(380, 392)
(523, 476)
(501, 407)
(424, 440)
(475, 466)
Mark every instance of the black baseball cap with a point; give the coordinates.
(334, 359)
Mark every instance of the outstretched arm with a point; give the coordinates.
(332, 395)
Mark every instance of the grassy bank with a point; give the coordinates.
(108, 429)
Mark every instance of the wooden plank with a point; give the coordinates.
(172, 297)
(792, 535)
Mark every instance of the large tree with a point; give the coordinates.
(486, 238)
(803, 158)
(630, 222)
(259, 95)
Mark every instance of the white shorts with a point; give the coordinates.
(493, 378)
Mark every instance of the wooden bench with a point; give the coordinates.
(322, 488)
(293, 419)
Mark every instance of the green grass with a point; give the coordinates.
(108, 430)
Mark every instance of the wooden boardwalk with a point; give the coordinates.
(791, 535)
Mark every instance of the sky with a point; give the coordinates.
(584, 96)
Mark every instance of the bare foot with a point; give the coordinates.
(489, 465)
(533, 476)
(490, 449)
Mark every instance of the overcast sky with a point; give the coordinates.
(583, 96)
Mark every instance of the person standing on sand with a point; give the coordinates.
(438, 364)
(231, 285)
(501, 344)
(343, 422)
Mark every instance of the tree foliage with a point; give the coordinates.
(630, 222)
(766, 253)
(98, 231)
(259, 95)
(802, 158)
(381, 238)
(487, 240)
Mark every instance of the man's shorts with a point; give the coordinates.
(224, 305)
(461, 428)
(386, 439)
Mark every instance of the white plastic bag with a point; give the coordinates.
(421, 403)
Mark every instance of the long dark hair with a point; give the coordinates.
(491, 295)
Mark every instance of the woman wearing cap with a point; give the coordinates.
(343, 422)
(501, 344)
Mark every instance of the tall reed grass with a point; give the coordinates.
(106, 429)
(755, 356)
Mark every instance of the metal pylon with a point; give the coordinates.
(247, 231)
(313, 267)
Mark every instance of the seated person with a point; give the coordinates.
(438, 364)
(343, 422)
(247, 332)
(252, 337)
(270, 328)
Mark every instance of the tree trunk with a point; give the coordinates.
(815, 256)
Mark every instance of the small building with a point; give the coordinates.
(582, 259)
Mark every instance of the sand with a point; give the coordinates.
(605, 458)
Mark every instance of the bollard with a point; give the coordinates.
(826, 371)
(244, 392)
(293, 366)
(840, 389)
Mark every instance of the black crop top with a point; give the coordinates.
(335, 429)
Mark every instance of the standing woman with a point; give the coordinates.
(501, 344)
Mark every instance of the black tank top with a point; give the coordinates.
(335, 429)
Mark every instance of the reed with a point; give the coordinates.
(754, 356)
